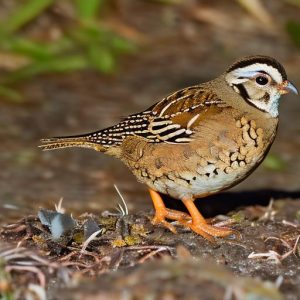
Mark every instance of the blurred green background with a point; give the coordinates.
(69, 67)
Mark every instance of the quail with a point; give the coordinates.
(197, 141)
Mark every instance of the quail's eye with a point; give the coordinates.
(262, 80)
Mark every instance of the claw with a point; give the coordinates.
(200, 225)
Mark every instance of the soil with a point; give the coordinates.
(181, 45)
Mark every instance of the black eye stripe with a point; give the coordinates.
(242, 91)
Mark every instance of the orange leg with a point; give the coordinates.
(162, 213)
(200, 226)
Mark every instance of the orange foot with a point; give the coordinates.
(162, 213)
(200, 226)
(194, 221)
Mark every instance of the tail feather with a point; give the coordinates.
(69, 142)
(101, 140)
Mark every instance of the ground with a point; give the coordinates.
(150, 260)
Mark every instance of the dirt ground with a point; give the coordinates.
(150, 262)
(182, 45)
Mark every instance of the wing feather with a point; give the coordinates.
(172, 120)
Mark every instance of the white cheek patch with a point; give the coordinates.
(271, 107)
(252, 70)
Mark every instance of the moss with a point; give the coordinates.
(40, 241)
(118, 243)
(129, 240)
(108, 222)
(78, 237)
(238, 217)
(132, 240)
(139, 229)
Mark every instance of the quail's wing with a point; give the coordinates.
(172, 120)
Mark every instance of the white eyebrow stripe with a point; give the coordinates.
(245, 71)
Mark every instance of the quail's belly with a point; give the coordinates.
(206, 166)
(180, 187)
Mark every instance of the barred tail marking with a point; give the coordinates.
(69, 142)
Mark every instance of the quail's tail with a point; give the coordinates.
(82, 141)
(101, 140)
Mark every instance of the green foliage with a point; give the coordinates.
(86, 44)
(293, 28)
(25, 14)
(274, 163)
(87, 9)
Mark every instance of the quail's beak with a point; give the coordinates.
(286, 87)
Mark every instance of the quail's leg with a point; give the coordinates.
(199, 224)
(162, 213)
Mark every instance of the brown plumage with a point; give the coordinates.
(199, 140)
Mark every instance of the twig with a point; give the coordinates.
(151, 254)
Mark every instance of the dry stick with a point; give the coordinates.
(68, 256)
(278, 239)
(151, 254)
(285, 222)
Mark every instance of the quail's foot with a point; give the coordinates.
(200, 225)
(162, 213)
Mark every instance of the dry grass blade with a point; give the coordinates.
(91, 237)
(257, 9)
(123, 208)
(58, 207)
